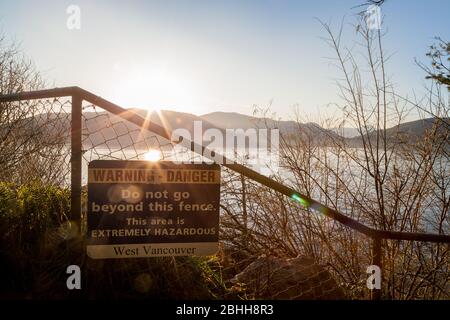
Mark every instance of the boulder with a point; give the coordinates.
(287, 279)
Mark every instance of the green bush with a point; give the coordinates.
(28, 211)
(35, 253)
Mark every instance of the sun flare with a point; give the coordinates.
(153, 155)
(153, 87)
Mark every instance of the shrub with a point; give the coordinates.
(35, 252)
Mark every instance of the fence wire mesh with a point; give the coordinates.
(270, 246)
(257, 242)
(108, 136)
(35, 135)
(416, 270)
(327, 260)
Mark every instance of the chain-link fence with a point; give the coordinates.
(272, 246)
(35, 140)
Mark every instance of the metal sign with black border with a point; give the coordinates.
(151, 209)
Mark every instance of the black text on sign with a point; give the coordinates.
(146, 209)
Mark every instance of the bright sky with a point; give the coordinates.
(204, 56)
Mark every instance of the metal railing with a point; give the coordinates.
(79, 95)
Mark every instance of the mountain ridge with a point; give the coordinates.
(98, 125)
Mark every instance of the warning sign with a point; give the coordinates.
(150, 209)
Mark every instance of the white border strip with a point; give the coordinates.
(145, 250)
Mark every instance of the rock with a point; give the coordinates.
(288, 279)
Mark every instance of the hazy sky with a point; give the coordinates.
(204, 56)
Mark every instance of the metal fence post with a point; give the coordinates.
(377, 260)
(75, 160)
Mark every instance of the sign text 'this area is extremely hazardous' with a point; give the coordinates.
(149, 209)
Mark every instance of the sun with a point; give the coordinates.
(153, 87)
(153, 155)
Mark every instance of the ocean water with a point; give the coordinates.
(273, 166)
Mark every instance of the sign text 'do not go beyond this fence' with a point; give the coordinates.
(149, 209)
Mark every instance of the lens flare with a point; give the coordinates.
(300, 200)
(153, 155)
